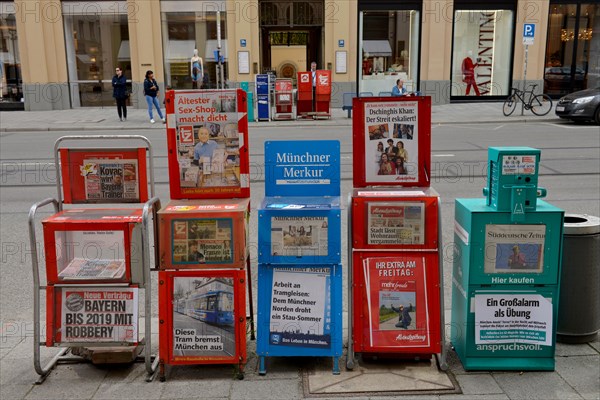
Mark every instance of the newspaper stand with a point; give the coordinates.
(284, 100)
(299, 255)
(97, 259)
(323, 95)
(304, 103)
(263, 97)
(506, 274)
(396, 276)
(205, 264)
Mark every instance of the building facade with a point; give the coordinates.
(62, 54)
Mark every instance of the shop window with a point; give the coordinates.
(482, 52)
(389, 50)
(11, 80)
(572, 63)
(184, 32)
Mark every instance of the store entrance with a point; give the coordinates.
(286, 52)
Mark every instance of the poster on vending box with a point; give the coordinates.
(396, 223)
(208, 143)
(513, 318)
(391, 141)
(98, 315)
(300, 313)
(299, 236)
(514, 249)
(202, 241)
(397, 304)
(203, 318)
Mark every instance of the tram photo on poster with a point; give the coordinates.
(203, 317)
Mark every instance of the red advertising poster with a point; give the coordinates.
(95, 315)
(392, 141)
(207, 136)
(398, 311)
(202, 317)
(104, 175)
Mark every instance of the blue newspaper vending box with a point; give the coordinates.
(263, 97)
(299, 255)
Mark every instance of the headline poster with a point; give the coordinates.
(514, 249)
(99, 315)
(391, 141)
(110, 180)
(203, 318)
(203, 241)
(300, 313)
(299, 236)
(513, 318)
(396, 294)
(209, 143)
(396, 223)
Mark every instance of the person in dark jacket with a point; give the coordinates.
(151, 92)
(119, 83)
(404, 318)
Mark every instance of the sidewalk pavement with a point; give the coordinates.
(107, 119)
(577, 374)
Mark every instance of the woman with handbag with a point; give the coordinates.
(119, 83)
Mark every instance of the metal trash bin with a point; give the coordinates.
(579, 304)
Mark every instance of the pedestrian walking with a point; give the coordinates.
(119, 83)
(151, 90)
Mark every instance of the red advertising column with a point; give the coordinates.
(323, 94)
(304, 104)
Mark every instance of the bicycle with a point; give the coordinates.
(540, 104)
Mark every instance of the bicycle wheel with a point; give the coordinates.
(509, 105)
(541, 104)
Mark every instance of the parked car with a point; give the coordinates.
(583, 105)
(557, 80)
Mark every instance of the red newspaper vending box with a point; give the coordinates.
(284, 99)
(304, 104)
(207, 140)
(202, 318)
(94, 246)
(396, 273)
(203, 234)
(323, 94)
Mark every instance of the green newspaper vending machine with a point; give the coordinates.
(506, 271)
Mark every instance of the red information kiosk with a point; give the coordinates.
(319, 107)
(323, 95)
(395, 283)
(97, 259)
(203, 259)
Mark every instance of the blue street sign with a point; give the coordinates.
(528, 30)
(242, 42)
(341, 43)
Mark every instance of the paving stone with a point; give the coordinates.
(267, 389)
(565, 349)
(478, 384)
(596, 344)
(17, 372)
(206, 389)
(14, 392)
(59, 390)
(535, 385)
(479, 397)
(128, 390)
(582, 373)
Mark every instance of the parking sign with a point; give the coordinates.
(528, 33)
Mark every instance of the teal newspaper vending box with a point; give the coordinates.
(506, 271)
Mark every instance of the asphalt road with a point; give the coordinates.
(570, 171)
